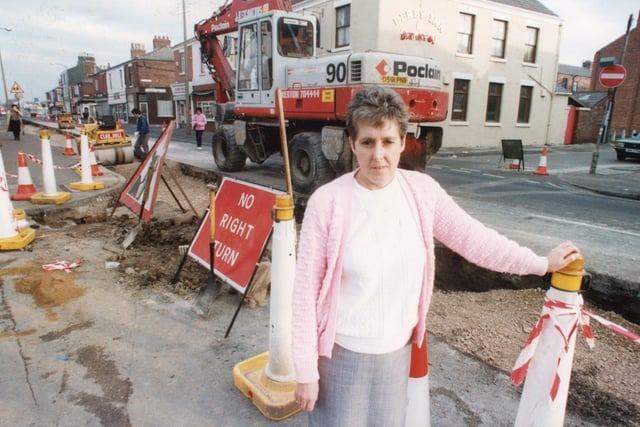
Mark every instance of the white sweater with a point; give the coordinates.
(382, 272)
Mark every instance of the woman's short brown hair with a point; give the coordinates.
(373, 105)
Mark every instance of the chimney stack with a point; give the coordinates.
(137, 50)
(161, 41)
(586, 64)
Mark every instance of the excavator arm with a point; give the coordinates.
(224, 21)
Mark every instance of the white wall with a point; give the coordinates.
(116, 88)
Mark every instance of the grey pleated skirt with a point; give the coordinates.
(358, 389)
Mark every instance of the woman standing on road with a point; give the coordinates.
(199, 121)
(365, 271)
(15, 122)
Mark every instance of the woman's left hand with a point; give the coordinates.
(562, 255)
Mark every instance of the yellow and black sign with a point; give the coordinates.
(394, 80)
(328, 95)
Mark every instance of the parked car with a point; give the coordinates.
(627, 147)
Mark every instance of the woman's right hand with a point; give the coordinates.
(307, 395)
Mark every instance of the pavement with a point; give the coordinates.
(30, 143)
(174, 368)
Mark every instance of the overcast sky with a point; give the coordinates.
(46, 31)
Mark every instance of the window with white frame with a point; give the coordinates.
(165, 108)
(460, 100)
(499, 38)
(343, 25)
(466, 22)
(208, 109)
(121, 78)
(494, 101)
(182, 64)
(110, 82)
(531, 45)
(524, 106)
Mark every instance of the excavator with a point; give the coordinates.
(276, 49)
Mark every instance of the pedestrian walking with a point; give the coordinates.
(15, 121)
(199, 121)
(366, 266)
(141, 147)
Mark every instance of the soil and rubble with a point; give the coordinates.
(491, 326)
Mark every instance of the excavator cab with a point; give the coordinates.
(266, 43)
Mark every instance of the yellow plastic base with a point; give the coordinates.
(275, 400)
(56, 199)
(87, 186)
(19, 214)
(25, 236)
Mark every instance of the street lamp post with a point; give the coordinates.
(68, 85)
(4, 82)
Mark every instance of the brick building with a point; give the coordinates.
(574, 78)
(626, 114)
(588, 108)
(77, 85)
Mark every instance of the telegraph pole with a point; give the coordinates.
(187, 97)
(606, 120)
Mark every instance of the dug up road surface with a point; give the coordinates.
(111, 343)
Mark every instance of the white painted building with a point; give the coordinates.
(117, 92)
(498, 58)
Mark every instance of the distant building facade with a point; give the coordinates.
(574, 78)
(499, 59)
(626, 114)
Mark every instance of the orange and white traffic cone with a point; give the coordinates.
(68, 149)
(95, 169)
(25, 188)
(542, 166)
(418, 407)
(50, 193)
(14, 233)
(86, 183)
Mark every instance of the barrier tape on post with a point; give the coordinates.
(551, 310)
(36, 160)
(62, 265)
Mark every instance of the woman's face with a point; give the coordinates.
(378, 151)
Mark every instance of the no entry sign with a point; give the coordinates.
(243, 225)
(612, 76)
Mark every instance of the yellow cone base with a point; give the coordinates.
(274, 399)
(19, 214)
(87, 186)
(78, 171)
(19, 241)
(55, 199)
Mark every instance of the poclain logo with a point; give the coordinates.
(383, 68)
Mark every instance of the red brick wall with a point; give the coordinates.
(626, 114)
(588, 124)
(160, 73)
(176, 55)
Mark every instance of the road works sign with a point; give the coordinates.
(243, 226)
(612, 76)
(17, 90)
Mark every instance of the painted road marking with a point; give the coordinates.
(555, 185)
(460, 170)
(530, 181)
(598, 227)
(469, 170)
(493, 176)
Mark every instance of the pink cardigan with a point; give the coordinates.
(199, 121)
(321, 251)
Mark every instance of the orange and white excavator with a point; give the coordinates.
(276, 49)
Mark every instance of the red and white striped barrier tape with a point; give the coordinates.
(551, 311)
(36, 160)
(62, 265)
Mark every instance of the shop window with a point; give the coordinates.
(499, 38)
(343, 25)
(208, 109)
(524, 107)
(165, 108)
(465, 33)
(460, 100)
(247, 64)
(531, 46)
(494, 100)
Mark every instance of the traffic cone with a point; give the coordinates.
(68, 149)
(13, 236)
(86, 183)
(25, 188)
(50, 195)
(542, 166)
(418, 407)
(95, 169)
(545, 362)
